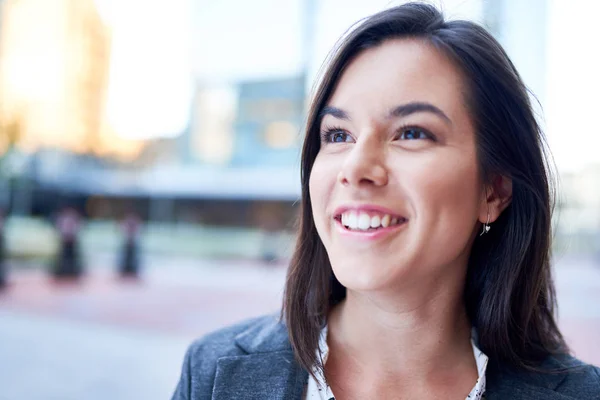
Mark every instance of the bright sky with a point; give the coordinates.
(150, 73)
(573, 83)
(238, 39)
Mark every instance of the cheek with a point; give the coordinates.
(448, 195)
(320, 188)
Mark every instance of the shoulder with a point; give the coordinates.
(261, 334)
(557, 377)
(578, 379)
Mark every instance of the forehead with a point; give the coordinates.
(397, 72)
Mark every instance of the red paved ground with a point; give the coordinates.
(101, 298)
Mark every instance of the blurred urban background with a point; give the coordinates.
(149, 172)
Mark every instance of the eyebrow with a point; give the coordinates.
(399, 111)
(417, 107)
(335, 112)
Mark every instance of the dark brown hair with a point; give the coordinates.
(509, 293)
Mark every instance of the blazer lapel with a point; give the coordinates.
(268, 370)
(273, 375)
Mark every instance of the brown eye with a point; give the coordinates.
(339, 137)
(336, 136)
(413, 133)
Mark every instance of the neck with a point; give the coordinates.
(424, 332)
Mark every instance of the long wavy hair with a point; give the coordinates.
(509, 292)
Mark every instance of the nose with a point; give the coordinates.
(364, 165)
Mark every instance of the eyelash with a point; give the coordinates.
(328, 132)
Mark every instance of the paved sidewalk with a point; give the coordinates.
(109, 338)
(183, 300)
(47, 358)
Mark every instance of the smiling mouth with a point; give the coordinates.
(367, 222)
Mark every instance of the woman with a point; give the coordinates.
(422, 268)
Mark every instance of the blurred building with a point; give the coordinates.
(578, 212)
(54, 66)
(254, 123)
(239, 156)
(236, 164)
(269, 120)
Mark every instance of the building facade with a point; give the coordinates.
(54, 66)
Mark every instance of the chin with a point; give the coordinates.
(361, 274)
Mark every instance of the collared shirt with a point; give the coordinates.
(319, 390)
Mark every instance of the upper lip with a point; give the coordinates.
(366, 208)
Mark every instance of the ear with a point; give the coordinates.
(496, 197)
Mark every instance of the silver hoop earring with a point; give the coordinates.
(486, 226)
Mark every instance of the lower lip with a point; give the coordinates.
(368, 235)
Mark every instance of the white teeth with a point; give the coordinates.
(352, 220)
(364, 221)
(375, 221)
(385, 221)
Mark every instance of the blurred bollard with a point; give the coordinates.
(3, 268)
(68, 263)
(269, 246)
(270, 234)
(268, 218)
(130, 260)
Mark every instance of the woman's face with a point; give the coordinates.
(395, 189)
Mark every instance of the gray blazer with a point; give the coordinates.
(254, 360)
